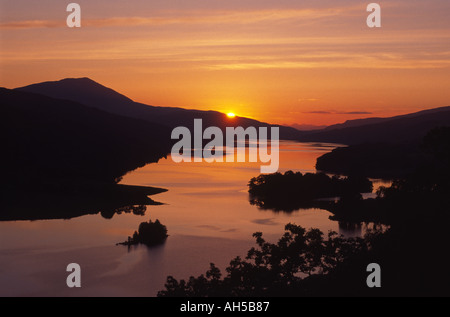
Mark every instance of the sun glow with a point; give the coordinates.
(231, 115)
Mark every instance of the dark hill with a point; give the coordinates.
(44, 138)
(91, 93)
(387, 149)
(403, 129)
(374, 120)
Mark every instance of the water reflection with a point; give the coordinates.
(350, 229)
(206, 210)
(359, 229)
(281, 206)
(135, 210)
(76, 201)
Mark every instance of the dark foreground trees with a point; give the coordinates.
(412, 254)
(273, 269)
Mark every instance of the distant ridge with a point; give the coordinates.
(373, 120)
(90, 93)
(381, 148)
(308, 127)
(410, 128)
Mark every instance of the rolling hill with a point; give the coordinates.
(45, 138)
(93, 94)
(410, 128)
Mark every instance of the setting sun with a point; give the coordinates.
(231, 115)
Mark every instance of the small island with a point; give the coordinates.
(149, 233)
(293, 190)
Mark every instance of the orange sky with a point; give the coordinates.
(285, 61)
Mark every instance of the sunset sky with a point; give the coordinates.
(279, 61)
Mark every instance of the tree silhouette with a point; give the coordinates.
(291, 191)
(149, 233)
(271, 269)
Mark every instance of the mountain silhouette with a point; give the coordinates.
(43, 138)
(62, 159)
(93, 94)
(374, 120)
(308, 127)
(379, 147)
(405, 129)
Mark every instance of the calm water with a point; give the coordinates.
(206, 211)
